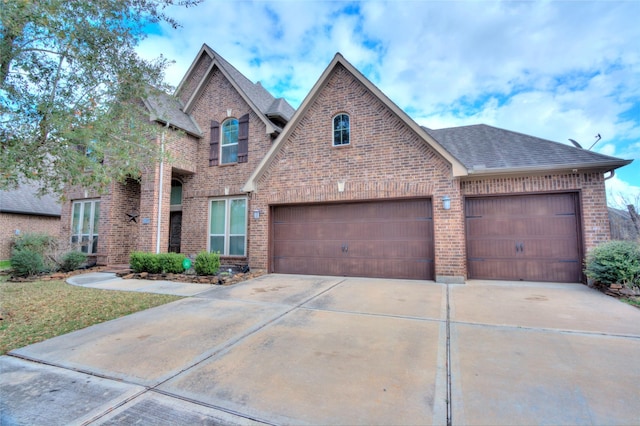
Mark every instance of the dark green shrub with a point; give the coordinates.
(145, 262)
(614, 262)
(72, 260)
(207, 263)
(26, 262)
(171, 263)
(154, 263)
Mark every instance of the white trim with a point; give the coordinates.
(227, 225)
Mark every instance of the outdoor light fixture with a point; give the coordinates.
(256, 214)
(446, 202)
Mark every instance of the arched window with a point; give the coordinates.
(341, 130)
(229, 141)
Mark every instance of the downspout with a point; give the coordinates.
(613, 173)
(159, 227)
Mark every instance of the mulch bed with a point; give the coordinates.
(222, 278)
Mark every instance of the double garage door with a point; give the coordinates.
(390, 239)
(528, 237)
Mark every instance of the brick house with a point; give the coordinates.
(22, 210)
(350, 185)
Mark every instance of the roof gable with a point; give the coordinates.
(486, 149)
(338, 60)
(256, 96)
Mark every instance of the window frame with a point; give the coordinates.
(334, 131)
(77, 230)
(227, 235)
(224, 138)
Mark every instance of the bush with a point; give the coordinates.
(157, 263)
(171, 263)
(614, 262)
(72, 260)
(207, 263)
(40, 243)
(26, 262)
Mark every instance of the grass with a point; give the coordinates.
(35, 311)
(632, 301)
(5, 264)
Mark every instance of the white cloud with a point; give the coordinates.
(552, 69)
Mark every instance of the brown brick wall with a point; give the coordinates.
(385, 159)
(10, 222)
(191, 84)
(222, 180)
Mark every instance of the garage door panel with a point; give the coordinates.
(374, 239)
(524, 237)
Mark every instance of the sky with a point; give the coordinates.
(557, 70)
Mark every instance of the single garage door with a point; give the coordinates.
(528, 238)
(390, 239)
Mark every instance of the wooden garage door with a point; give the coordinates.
(529, 238)
(391, 239)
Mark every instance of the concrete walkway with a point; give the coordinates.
(284, 349)
(110, 281)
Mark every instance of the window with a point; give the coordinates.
(84, 225)
(341, 130)
(229, 141)
(176, 192)
(228, 226)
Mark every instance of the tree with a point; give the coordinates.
(71, 89)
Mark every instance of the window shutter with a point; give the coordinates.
(214, 144)
(243, 139)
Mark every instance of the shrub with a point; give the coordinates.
(207, 263)
(72, 260)
(40, 243)
(171, 263)
(156, 263)
(614, 262)
(26, 262)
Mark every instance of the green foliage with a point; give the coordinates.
(207, 263)
(71, 84)
(72, 260)
(33, 253)
(171, 263)
(26, 262)
(34, 241)
(615, 262)
(156, 263)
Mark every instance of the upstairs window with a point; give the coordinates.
(229, 141)
(341, 130)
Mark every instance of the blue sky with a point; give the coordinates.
(551, 69)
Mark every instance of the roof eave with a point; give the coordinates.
(571, 167)
(30, 213)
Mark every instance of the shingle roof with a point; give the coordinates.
(25, 200)
(168, 109)
(262, 99)
(484, 148)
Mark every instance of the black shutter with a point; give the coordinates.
(214, 144)
(243, 139)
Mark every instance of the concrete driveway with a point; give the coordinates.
(285, 349)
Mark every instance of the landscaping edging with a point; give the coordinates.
(223, 278)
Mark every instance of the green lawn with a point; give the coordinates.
(5, 264)
(35, 311)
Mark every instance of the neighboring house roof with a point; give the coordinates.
(168, 109)
(457, 166)
(485, 149)
(25, 200)
(261, 101)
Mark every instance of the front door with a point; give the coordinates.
(175, 231)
